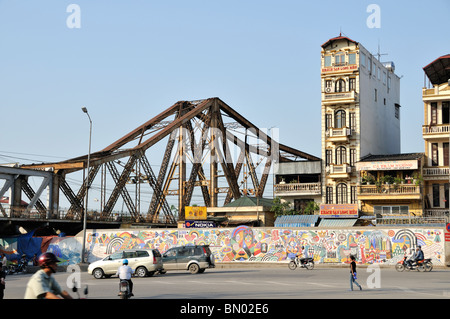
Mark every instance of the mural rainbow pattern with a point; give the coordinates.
(246, 244)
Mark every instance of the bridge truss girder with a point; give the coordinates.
(196, 137)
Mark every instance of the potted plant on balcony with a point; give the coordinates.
(368, 179)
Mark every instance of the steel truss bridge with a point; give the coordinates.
(206, 146)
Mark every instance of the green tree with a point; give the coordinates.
(281, 207)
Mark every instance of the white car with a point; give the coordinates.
(144, 262)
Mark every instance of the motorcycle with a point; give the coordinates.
(421, 265)
(124, 289)
(21, 266)
(307, 263)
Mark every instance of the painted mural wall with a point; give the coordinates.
(246, 244)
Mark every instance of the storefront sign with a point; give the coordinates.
(199, 224)
(340, 68)
(387, 165)
(195, 212)
(339, 210)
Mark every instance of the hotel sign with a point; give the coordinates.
(344, 68)
(387, 165)
(339, 210)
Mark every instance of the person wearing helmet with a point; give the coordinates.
(42, 285)
(125, 272)
(417, 256)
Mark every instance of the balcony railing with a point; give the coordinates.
(436, 130)
(338, 134)
(298, 189)
(332, 97)
(389, 189)
(430, 173)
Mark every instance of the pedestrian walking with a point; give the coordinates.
(353, 273)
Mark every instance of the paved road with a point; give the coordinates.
(263, 283)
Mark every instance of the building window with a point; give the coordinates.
(352, 58)
(397, 111)
(328, 84)
(328, 121)
(445, 151)
(352, 157)
(384, 77)
(329, 195)
(341, 155)
(446, 190)
(363, 59)
(433, 113)
(352, 84)
(376, 95)
(436, 195)
(341, 194)
(353, 199)
(327, 60)
(352, 121)
(339, 119)
(434, 154)
(340, 86)
(328, 157)
(445, 113)
(339, 59)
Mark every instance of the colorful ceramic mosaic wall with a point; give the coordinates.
(245, 244)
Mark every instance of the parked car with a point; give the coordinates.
(144, 262)
(193, 258)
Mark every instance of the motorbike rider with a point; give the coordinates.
(305, 255)
(42, 285)
(125, 272)
(418, 255)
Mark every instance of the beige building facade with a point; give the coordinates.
(360, 114)
(435, 132)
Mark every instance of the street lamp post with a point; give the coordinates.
(83, 251)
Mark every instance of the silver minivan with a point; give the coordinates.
(144, 262)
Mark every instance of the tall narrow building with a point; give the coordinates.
(435, 132)
(360, 114)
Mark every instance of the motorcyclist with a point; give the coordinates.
(417, 256)
(125, 272)
(305, 255)
(42, 285)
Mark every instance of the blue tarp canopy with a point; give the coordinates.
(337, 222)
(296, 221)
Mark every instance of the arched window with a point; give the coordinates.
(340, 86)
(341, 155)
(339, 119)
(341, 193)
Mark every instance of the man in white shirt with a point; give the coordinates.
(125, 272)
(42, 285)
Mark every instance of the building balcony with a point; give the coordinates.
(297, 189)
(438, 131)
(338, 134)
(436, 173)
(389, 191)
(339, 97)
(339, 171)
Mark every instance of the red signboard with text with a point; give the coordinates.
(339, 210)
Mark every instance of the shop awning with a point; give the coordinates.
(296, 221)
(337, 222)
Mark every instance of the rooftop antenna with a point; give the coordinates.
(378, 53)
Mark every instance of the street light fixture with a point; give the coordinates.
(83, 250)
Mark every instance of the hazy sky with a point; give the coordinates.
(127, 61)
